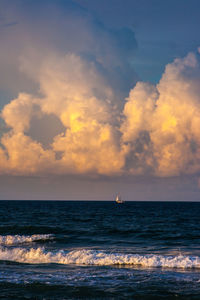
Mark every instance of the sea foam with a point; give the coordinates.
(19, 239)
(92, 257)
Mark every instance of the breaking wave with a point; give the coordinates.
(92, 257)
(19, 239)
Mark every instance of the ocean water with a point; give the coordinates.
(99, 250)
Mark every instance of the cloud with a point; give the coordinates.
(44, 27)
(168, 115)
(157, 132)
(70, 89)
(68, 73)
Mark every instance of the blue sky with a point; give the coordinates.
(82, 114)
(163, 29)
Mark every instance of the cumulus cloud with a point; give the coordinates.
(68, 114)
(43, 27)
(60, 65)
(157, 132)
(70, 89)
(169, 118)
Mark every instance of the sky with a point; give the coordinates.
(99, 98)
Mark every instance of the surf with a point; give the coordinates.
(20, 239)
(40, 255)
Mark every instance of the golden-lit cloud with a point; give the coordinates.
(69, 88)
(157, 132)
(169, 118)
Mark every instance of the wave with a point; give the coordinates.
(91, 257)
(19, 239)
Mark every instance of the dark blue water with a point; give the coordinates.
(99, 250)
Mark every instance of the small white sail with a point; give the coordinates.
(118, 199)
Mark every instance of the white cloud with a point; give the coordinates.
(157, 132)
(170, 116)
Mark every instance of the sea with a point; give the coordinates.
(99, 250)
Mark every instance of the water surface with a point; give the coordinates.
(99, 250)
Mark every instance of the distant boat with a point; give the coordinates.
(118, 199)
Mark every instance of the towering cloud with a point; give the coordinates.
(30, 31)
(157, 131)
(73, 91)
(162, 122)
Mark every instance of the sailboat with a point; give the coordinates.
(118, 199)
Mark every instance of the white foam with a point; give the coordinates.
(19, 239)
(91, 257)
